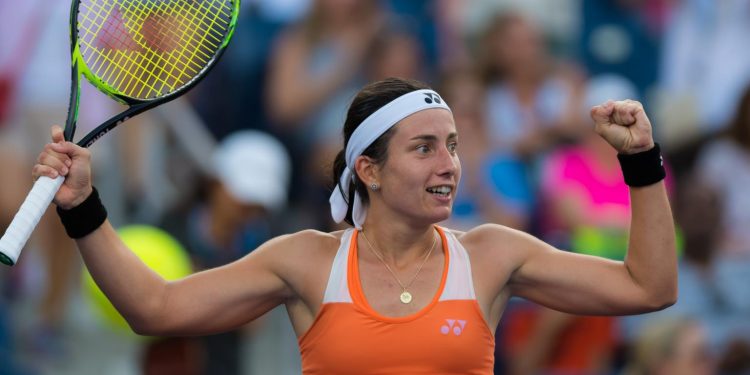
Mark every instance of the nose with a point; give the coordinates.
(448, 163)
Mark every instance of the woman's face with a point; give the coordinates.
(422, 171)
(518, 46)
(400, 57)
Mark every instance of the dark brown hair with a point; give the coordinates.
(498, 26)
(739, 127)
(368, 100)
(491, 61)
(313, 26)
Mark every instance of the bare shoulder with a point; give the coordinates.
(496, 253)
(303, 260)
(309, 237)
(304, 246)
(492, 234)
(490, 241)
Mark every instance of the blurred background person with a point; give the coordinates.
(705, 66)
(322, 54)
(248, 190)
(671, 347)
(316, 66)
(724, 163)
(251, 172)
(533, 101)
(243, 72)
(707, 292)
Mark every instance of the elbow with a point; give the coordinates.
(150, 319)
(662, 300)
(664, 303)
(670, 294)
(142, 329)
(145, 326)
(152, 327)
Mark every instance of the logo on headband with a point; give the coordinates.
(430, 97)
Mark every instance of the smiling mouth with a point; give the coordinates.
(441, 191)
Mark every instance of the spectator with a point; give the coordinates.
(315, 70)
(705, 295)
(671, 347)
(725, 164)
(705, 61)
(248, 191)
(533, 102)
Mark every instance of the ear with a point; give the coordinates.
(366, 169)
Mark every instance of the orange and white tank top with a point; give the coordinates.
(448, 336)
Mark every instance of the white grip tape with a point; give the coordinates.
(28, 217)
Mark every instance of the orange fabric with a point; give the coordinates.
(445, 337)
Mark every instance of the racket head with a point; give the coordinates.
(140, 51)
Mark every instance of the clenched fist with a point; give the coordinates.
(61, 158)
(624, 125)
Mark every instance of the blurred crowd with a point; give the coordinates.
(247, 155)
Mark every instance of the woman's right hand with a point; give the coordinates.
(61, 158)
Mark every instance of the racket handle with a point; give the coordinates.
(28, 217)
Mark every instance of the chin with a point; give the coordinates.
(441, 216)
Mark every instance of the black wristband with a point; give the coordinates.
(644, 168)
(85, 218)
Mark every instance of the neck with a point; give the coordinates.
(399, 244)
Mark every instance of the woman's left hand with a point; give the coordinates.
(624, 125)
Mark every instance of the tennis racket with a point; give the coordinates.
(142, 53)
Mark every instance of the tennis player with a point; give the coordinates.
(396, 293)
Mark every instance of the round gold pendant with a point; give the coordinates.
(405, 297)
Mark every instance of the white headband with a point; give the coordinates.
(366, 133)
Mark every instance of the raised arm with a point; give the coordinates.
(645, 281)
(206, 302)
(210, 301)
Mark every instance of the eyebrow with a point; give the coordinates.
(432, 138)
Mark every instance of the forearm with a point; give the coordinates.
(294, 98)
(134, 289)
(294, 93)
(651, 260)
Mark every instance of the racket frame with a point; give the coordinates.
(135, 107)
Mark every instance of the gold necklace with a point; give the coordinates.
(405, 295)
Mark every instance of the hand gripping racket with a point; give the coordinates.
(142, 53)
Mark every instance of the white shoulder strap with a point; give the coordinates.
(459, 284)
(337, 289)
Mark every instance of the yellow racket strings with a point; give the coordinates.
(149, 48)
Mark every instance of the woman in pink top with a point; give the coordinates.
(423, 294)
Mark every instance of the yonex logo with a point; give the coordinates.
(453, 325)
(430, 97)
